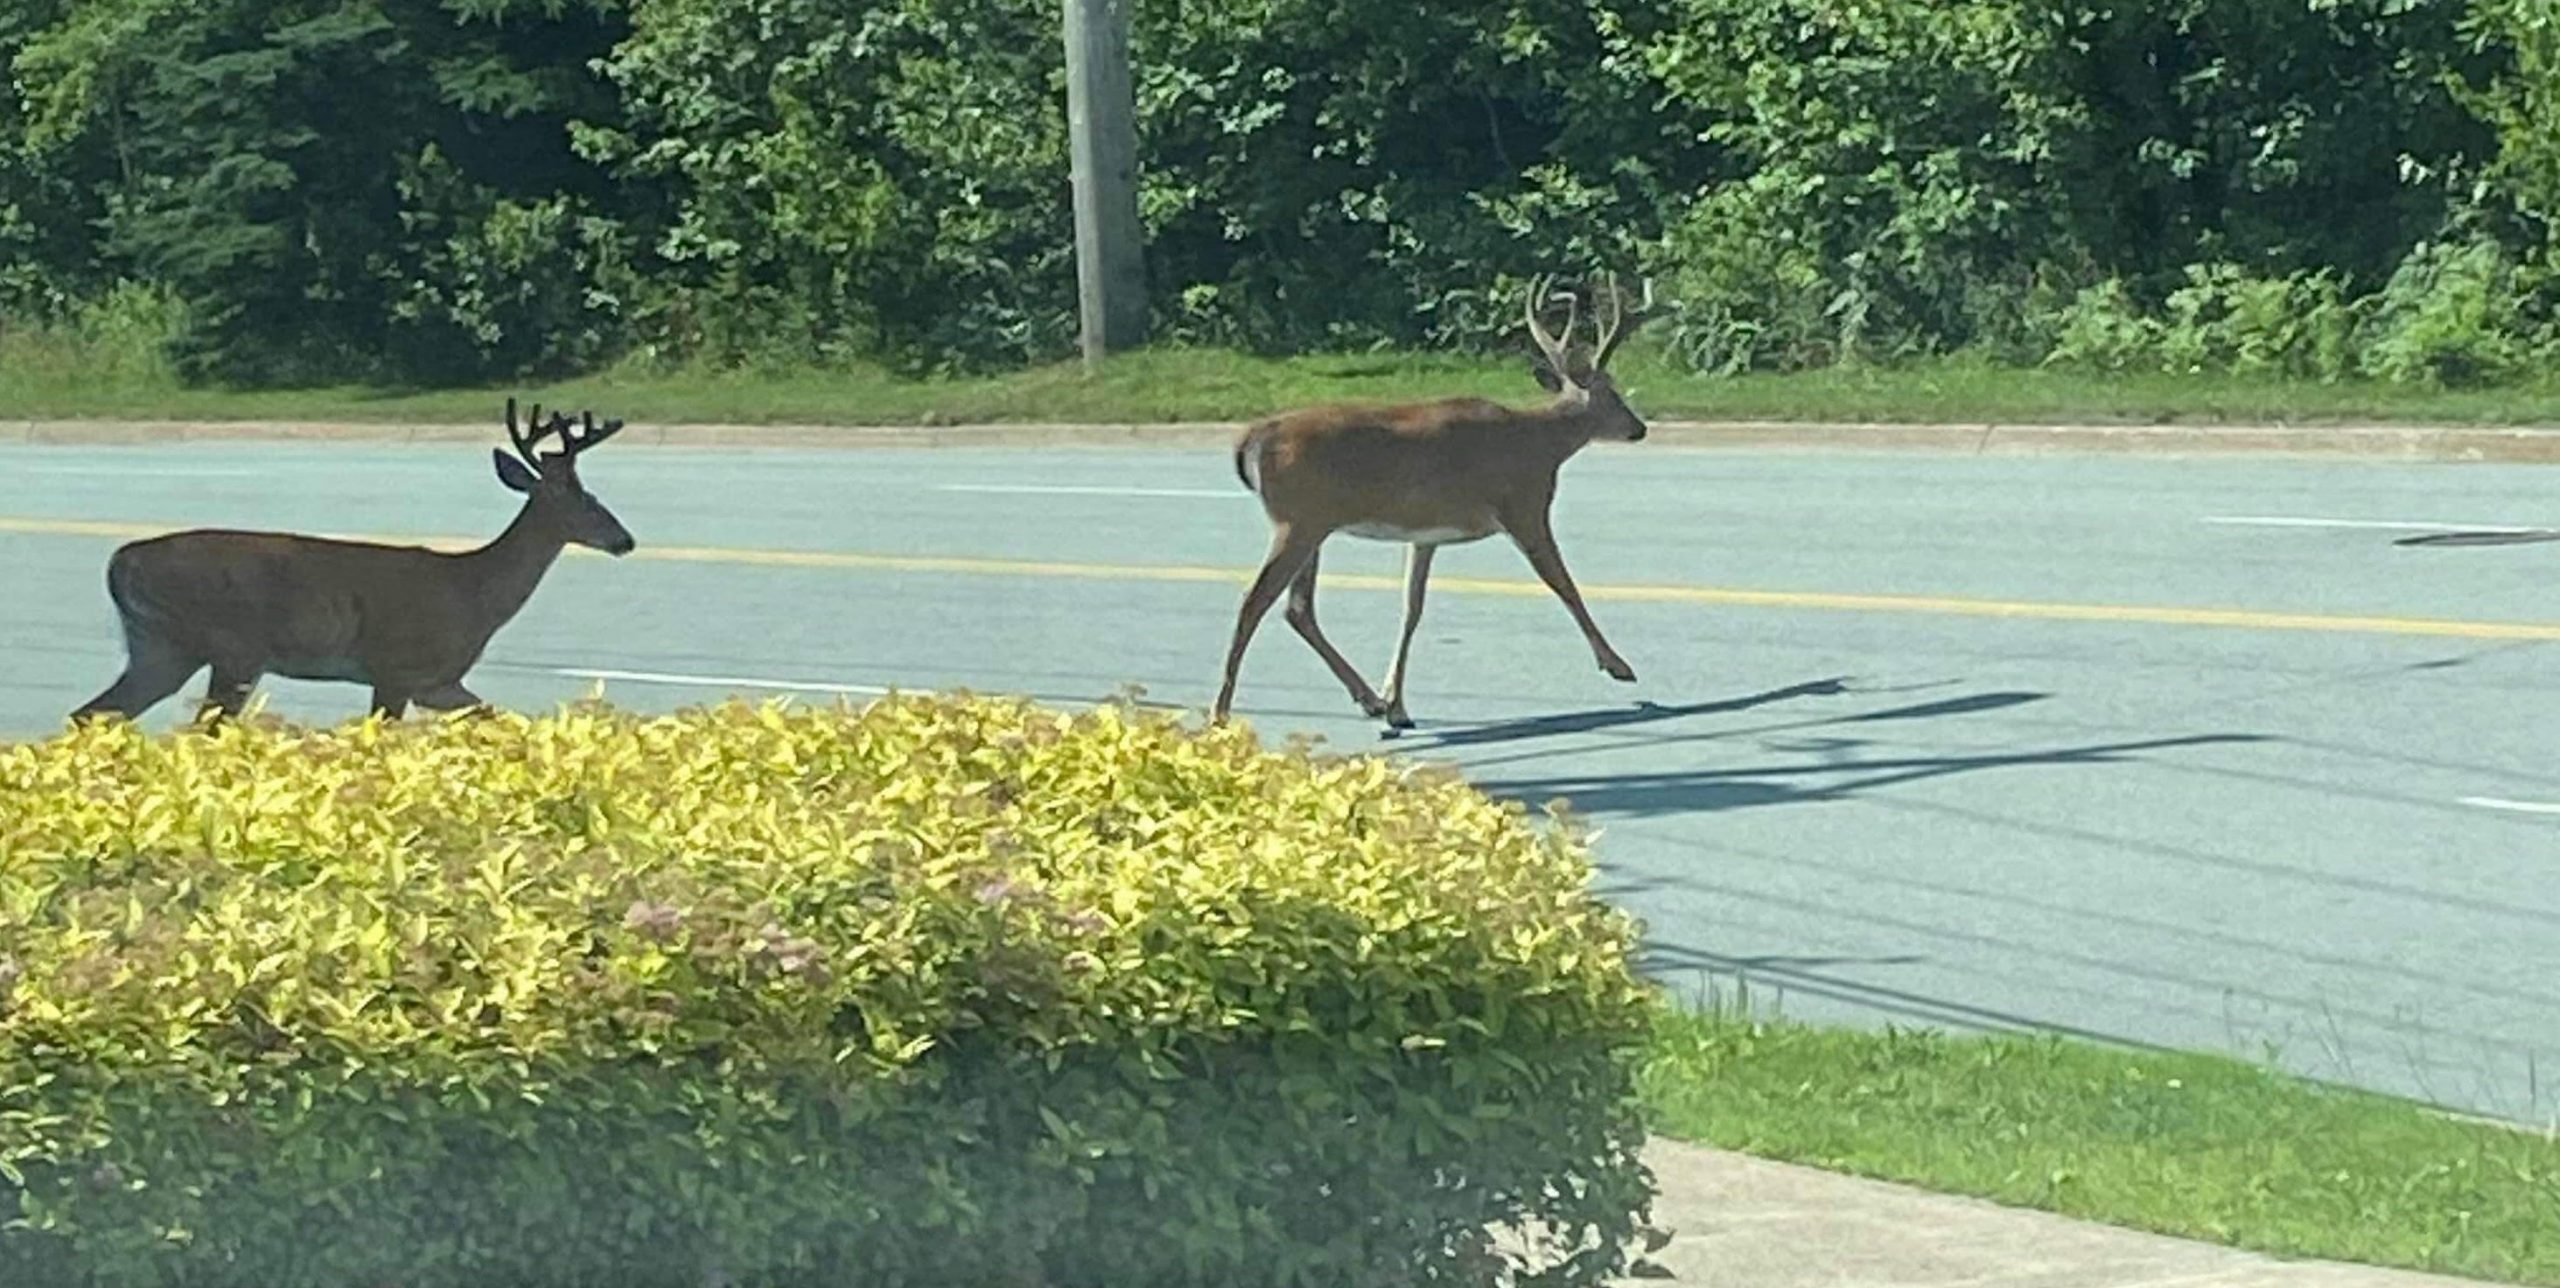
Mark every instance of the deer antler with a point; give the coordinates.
(523, 441)
(1620, 325)
(590, 435)
(1552, 348)
(535, 428)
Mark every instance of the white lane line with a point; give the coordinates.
(789, 686)
(1035, 489)
(720, 681)
(2381, 525)
(2513, 807)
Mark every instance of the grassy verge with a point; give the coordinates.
(45, 377)
(2186, 1145)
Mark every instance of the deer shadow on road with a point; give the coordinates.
(1649, 716)
(1703, 791)
(1822, 756)
(1606, 719)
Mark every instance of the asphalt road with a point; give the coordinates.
(2185, 753)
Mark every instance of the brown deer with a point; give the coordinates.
(404, 619)
(1428, 475)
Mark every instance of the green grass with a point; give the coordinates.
(50, 376)
(2187, 1145)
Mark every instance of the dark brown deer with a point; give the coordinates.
(404, 619)
(1428, 475)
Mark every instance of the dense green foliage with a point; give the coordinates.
(940, 992)
(439, 189)
(325, 185)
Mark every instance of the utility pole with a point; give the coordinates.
(1102, 139)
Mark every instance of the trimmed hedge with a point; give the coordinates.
(944, 990)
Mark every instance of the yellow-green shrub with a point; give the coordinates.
(940, 991)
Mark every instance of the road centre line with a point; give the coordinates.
(1711, 596)
(2512, 807)
(2376, 525)
(140, 471)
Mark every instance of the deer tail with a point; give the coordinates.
(1249, 457)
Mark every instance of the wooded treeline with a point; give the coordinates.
(449, 190)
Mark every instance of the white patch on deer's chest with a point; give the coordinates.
(1417, 536)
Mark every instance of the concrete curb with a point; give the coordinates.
(1735, 1219)
(2408, 443)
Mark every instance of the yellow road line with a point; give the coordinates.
(77, 528)
(1714, 596)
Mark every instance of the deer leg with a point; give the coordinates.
(1530, 532)
(451, 697)
(1289, 551)
(1302, 618)
(390, 703)
(151, 673)
(1417, 572)
(228, 692)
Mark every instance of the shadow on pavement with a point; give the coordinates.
(1605, 718)
(1699, 791)
(2485, 537)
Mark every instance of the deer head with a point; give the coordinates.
(1581, 382)
(549, 480)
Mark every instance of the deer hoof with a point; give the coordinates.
(1618, 669)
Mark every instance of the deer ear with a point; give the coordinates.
(512, 472)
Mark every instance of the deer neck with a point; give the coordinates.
(503, 574)
(1565, 426)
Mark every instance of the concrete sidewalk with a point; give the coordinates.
(2427, 443)
(1742, 1222)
